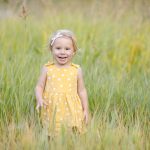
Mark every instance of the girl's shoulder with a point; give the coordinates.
(49, 64)
(78, 69)
(75, 65)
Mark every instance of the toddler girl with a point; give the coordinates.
(60, 91)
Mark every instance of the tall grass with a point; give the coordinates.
(114, 54)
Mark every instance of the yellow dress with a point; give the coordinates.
(64, 105)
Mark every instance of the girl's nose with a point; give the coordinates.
(63, 51)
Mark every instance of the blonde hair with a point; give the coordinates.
(63, 33)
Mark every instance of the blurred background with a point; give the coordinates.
(113, 37)
(89, 8)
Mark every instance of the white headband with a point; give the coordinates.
(55, 37)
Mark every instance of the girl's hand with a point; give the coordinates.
(85, 116)
(40, 103)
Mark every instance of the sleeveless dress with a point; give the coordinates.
(64, 105)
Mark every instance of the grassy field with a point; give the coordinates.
(114, 52)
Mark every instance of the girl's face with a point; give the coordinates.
(63, 51)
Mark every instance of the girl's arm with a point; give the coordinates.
(83, 94)
(40, 87)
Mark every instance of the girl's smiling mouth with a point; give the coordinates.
(62, 57)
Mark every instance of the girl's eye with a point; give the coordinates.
(58, 48)
(67, 48)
